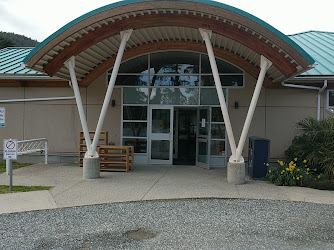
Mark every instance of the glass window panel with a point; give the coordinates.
(217, 148)
(135, 65)
(135, 129)
(331, 98)
(160, 150)
(202, 152)
(217, 115)
(207, 81)
(160, 120)
(226, 80)
(174, 96)
(130, 80)
(164, 80)
(135, 95)
(140, 145)
(135, 113)
(209, 97)
(223, 67)
(217, 131)
(174, 62)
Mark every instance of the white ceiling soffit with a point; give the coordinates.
(52, 50)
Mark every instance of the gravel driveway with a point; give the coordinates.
(173, 224)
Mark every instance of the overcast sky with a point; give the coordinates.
(40, 18)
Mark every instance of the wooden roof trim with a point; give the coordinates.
(243, 37)
(130, 8)
(174, 45)
(32, 83)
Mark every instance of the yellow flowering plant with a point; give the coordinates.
(291, 173)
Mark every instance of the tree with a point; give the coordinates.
(5, 42)
(8, 39)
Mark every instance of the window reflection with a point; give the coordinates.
(217, 115)
(163, 80)
(217, 148)
(140, 145)
(174, 62)
(135, 95)
(331, 98)
(176, 96)
(218, 131)
(131, 80)
(160, 150)
(209, 97)
(134, 113)
(223, 67)
(226, 80)
(135, 65)
(137, 129)
(160, 121)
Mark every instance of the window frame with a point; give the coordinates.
(329, 108)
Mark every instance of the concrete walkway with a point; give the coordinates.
(144, 183)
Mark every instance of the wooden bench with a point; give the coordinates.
(116, 158)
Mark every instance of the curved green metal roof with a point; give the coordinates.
(320, 45)
(209, 2)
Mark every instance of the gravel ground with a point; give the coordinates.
(173, 224)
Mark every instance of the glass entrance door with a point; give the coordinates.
(203, 138)
(161, 135)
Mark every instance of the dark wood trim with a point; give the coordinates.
(32, 83)
(174, 45)
(146, 21)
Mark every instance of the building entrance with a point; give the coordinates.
(184, 136)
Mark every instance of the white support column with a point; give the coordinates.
(265, 65)
(46, 152)
(236, 165)
(125, 35)
(206, 34)
(70, 64)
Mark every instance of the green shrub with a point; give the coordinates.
(315, 143)
(323, 184)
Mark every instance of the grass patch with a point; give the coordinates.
(15, 166)
(4, 189)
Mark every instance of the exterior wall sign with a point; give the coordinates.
(10, 149)
(2, 117)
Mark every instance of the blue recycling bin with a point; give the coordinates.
(258, 156)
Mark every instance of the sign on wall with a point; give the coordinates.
(2, 117)
(10, 149)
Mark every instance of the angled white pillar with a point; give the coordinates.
(125, 35)
(91, 164)
(206, 34)
(91, 161)
(236, 165)
(70, 64)
(265, 65)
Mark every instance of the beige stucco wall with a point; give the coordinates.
(275, 117)
(276, 114)
(95, 97)
(58, 121)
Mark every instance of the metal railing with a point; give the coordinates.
(33, 146)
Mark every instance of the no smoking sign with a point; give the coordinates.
(10, 149)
